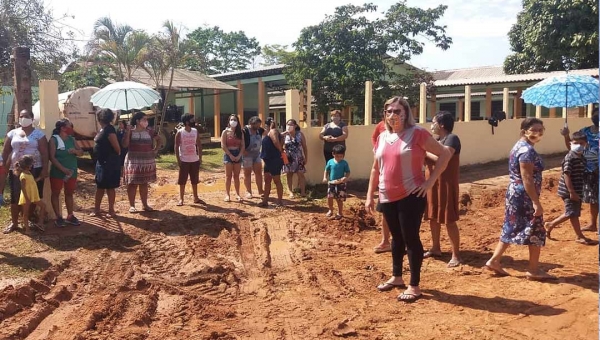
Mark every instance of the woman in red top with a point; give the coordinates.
(398, 173)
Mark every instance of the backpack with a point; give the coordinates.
(260, 130)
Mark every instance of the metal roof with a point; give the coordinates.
(183, 79)
(495, 75)
(244, 74)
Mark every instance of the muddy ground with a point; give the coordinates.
(236, 271)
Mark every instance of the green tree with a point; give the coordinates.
(347, 48)
(28, 23)
(547, 31)
(275, 55)
(82, 76)
(213, 51)
(120, 45)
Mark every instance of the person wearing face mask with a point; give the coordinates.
(24, 140)
(140, 162)
(294, 144)
(397, 173)
(590, 183)
(188, 150)
(232, 143)
(251, 161)
(442, 199)
(523, 216)
(333, 133)
(63, 172)
(570, 188)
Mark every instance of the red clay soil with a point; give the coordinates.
(236, 271)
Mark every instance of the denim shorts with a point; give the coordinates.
(251, 159)
(226, 158)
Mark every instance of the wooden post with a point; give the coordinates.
(581, 112)
(461, 112)
(433, 108)
(192, 108)
(467, 103)
(217, 113)
(22, 79)
(422, 103)
(368, 102)
(261, 99)
(552, 112)
(488, 102)
(518, 106)
(240, 102)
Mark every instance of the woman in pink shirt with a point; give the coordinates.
(398, 174)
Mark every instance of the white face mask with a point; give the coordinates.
(233, 123)
(25, 122)
(578, 148)
(143, 124)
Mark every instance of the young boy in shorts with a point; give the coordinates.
(337, 172)
(570, 188)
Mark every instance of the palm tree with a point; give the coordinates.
(121, 45)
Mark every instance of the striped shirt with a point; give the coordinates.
(400, 158)
(574, 166)
(591, 150)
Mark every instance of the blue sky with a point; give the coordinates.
(478, 28)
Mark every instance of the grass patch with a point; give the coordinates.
(211, 159)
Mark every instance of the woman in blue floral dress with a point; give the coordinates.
(523, 217)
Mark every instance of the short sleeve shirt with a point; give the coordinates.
(401, 158)
(22, 145)
(574, 166)
(452, 141)
(337, 170)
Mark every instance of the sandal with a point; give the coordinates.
(586, 241)
(387, 286)
(9, 228)
(337, 217)
(408, 297)
(227, 199)
(37, 226)
(329, 213)
(239, 199)
(180, 204)
(263, 204)
(199, 201)
(382, 249)
(148, 208)
(429, 254)
(454, 263)
(248, 196)
(132, 210)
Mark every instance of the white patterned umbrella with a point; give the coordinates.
(125, 95)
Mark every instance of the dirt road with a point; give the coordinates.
(236, 271)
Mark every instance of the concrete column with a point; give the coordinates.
(461, 111)
(217, 113)
(564, 112)
(308, 89)
(49, 114)
(240, 102)
(292, 98)
(538, 112)
(422, 103)
(505, 101)
(368, 102)
(261, 99)
(518, 105)
(590, 108)
(552, 112)
(488, 102)
(468, 103)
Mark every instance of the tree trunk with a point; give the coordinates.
(164, 106)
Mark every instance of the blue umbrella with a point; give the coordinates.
(567, 90)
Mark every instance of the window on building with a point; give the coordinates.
(496, 106)
(450, 107)
(476, 110)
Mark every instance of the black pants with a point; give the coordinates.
(328, 155)
(404, 220)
